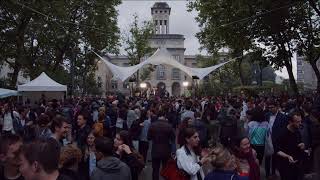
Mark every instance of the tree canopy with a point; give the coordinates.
(56, 36)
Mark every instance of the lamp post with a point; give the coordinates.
(195, 80)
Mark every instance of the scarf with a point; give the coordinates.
(254, 173)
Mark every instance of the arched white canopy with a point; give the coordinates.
(161, 56)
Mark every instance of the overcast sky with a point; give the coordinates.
(181, 22)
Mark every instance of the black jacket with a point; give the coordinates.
(162, 136)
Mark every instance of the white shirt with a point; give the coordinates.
(189, 163)
(7, 122)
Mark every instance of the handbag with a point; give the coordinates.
(171, 171)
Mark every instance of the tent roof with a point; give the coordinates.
(42, 83)
(161, 56)
(7, 93)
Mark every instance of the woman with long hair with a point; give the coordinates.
(89, 161)
(258, 128)
(125, 151)
(188, 156)
(247, 162)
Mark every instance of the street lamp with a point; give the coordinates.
(143, 85)
(185, 83)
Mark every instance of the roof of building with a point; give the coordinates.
(167, 36)
(161, 5)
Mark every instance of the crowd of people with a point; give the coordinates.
(207, 138)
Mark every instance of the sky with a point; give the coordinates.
(181, 22)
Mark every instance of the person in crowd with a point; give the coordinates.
(40, 160)
(131, 117)
(98, 126)
(126, 153)
(277, 123)
(315, 138)
(290, 149)
(70, 158)
(109, 167)
(162, 136)
(122, 119)
(258, 128)
(89, 162)
(187, 112)
(247, 162)
(186, 123)
(113, 114)
(224, 164)
(59, 128)
(9, 157)
(188, 156)
(202, 130)
(44, 131)
(143, 139)
(82, 131)
(9, 119)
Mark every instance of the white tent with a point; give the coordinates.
(161, 56)
(42, 83)
(42, 87)
(7, 93)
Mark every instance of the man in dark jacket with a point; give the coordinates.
(82, 132)
(161, 134)
(109, 167)
(277, 125)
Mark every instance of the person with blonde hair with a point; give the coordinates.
(224, 165)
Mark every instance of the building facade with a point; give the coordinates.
(305, 73)
(163, 77)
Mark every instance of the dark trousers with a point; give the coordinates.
(6, 133)
(270, 165)
(260, 152)
(143, 149)
(290, 171)
(156, 163)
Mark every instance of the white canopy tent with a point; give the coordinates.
(42, 83)
(161, 56)
(41, 86)
(7, 93)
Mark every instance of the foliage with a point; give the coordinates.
(272, 25)
(49, 35)
(137, 44)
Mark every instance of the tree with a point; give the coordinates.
(247, 24)
(50, 34)
(308, 41)
(315, 4)
(137, 43)
(214, 17)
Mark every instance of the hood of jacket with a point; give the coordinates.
(110, 165)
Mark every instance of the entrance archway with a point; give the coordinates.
(161, 89)
(176, 89)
